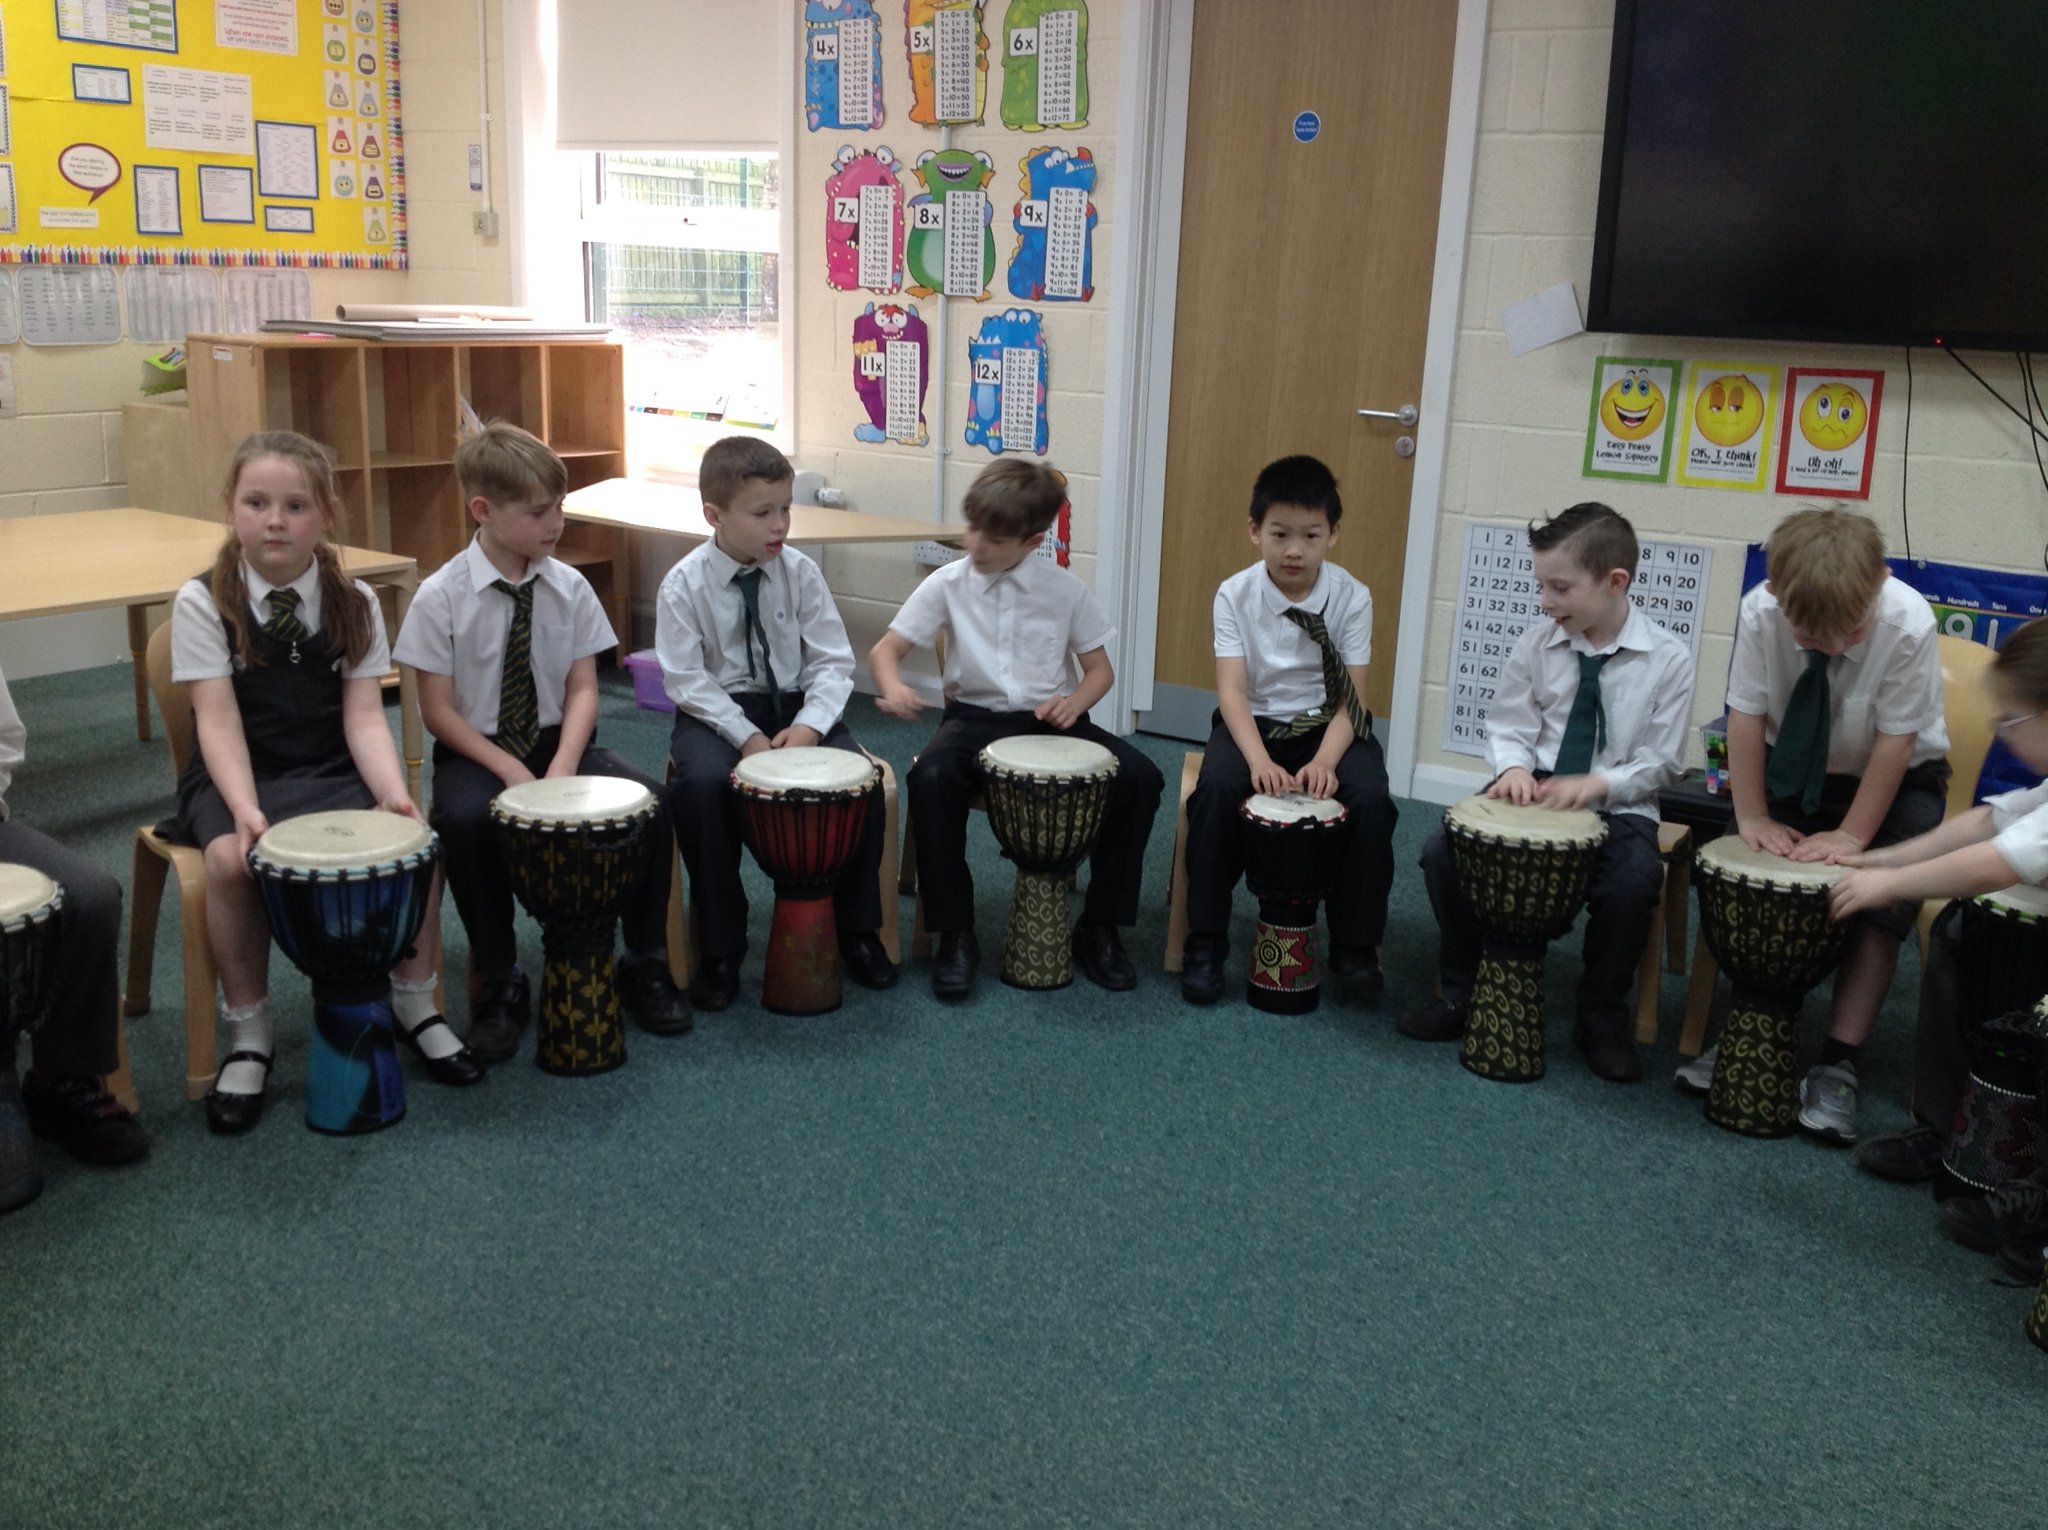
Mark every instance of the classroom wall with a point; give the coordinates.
(1518, 424)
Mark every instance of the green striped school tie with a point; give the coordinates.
(1585, 728)
(749, 581)
(518, 703)
(283, 622)
(1337, 687)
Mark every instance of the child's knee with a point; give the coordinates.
(224, 860)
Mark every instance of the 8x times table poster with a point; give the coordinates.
(1497, 599)
(201, 132)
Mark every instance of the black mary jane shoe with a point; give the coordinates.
(457, 1069)
(231, 1113)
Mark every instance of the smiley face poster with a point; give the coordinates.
(1728, 426)
(1830, 432)
(1628, 428)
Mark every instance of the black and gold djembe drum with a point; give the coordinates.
(30, 909)
(1523, 871)
(1046, 799)
(1765, 918)
(1293, 845)
(574, 846)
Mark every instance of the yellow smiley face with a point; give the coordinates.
(1729, 411)
(1633, 405)
(1833, 416)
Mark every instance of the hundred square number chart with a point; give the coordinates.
(1497, 600)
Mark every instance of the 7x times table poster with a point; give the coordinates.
(1497, 599)
(201, 132)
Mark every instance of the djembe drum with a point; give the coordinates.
(1523, 871)
(1996, 1136)
(1293, 845)
(30, 906)
(574, 846)
(1765, 918)
(1046, 799)
(346, 893)
(804, 812)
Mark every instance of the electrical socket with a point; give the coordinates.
(483, 222)
(931, 554)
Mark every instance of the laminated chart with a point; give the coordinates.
(842, 64)
(1497, 600)
(891, 366)
(1055, 258)
(948, 61)
(864, 221)
(1006, 397)
(952, 245)
(202, 132)
(1045, 64)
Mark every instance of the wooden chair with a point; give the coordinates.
(1970, 718)
(154, 857)
(1674, 845)
(1177, 892)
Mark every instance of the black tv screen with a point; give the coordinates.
(1872, 171)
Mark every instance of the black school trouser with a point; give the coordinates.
(948, 772)
(475, 866)
(707, 821)
(1356, 906)
(1621, 902)
(1941, 1063)
(80, 1026)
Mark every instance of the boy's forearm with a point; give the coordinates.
(1746, 766)
(1880, 785)
(579, 720)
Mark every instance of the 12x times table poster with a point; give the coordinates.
(201, 132)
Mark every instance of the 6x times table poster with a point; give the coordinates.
(201, 132)
(1497, 599)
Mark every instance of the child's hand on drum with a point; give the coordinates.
(1569, 793)
(1060, 712)
(1514, 785)
(403, 806)
(1317, 780)
(1769, 835)
(250, 826)
(1862, 890)
(1270, 780)
(899, 701)
(795, 736)
(755, 744)
(516, 774)
(1831, 846)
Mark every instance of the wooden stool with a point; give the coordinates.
(1177, 894)
(1674, 845)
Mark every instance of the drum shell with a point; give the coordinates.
(1046, 823)
(1292, 862)
(803, 836)
(1522, 892)
(2007, 960)
(1771, 936)
(576, 868)
(347, 927)
(26, 944)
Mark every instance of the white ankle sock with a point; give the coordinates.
(412, 1002)
(248, 1027)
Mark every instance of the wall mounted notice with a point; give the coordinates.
(1628, 427)
(1045, 64)
(891, 367)
(864, 221)
(1006, 397)
(842, 65)
(70, 305)
(1830, 432)
(1055, 222)
(10, 324)
(948, 60)
(1728, 426)
(952, 248)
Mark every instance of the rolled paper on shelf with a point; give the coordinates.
(399, 313)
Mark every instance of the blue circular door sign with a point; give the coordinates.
(1307, 126)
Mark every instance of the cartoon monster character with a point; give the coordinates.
(924, 22)
(1046, 171)
(851, 174)
(1632, 408)
(1833, 416)
(1025, 34)
(1012, 329)
(824, 37)
(872, 333)
(943, 172)
(1729, 410)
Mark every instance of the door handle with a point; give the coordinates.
(1406, 414)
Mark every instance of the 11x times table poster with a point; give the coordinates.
(201, 132)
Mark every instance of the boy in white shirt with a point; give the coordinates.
(755, 656)
(497, 724)
(1836, 744)
(1017, 623)
(1590, 712)
(1293, 639)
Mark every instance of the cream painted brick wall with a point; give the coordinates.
(1517, 432)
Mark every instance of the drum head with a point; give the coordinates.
(342, 841)
(2024, 902)
(573, 799)
(1294, 807)
(806, 770)
(1729, 856)
(1044, 754)
(1490, 818)
(24, 891)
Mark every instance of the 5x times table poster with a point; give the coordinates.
(201, 132)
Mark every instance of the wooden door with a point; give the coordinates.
(1303, 297)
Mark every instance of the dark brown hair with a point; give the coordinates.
(2021, 668)
(1594, 536)
(732, 460)
(1013, 499)
(506, 465)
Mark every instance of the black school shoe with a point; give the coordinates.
(1438, 1020)
(865, 961)
(457, 1069)
(231, 1113)
(1201, 968)
(651, 996)
(1910, 1157)
(2014, 1213)
(1359, 966)
(2023, 1258)
(1099, 952)
(75, 1111)
(716, 983)
(955, 964)
(1611, 1055)
(500, 1014)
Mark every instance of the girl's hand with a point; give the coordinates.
(250, 826)
(1860, 891)
(403, 806)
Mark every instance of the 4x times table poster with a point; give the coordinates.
(201, 132)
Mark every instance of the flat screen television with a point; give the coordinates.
(1869, 171)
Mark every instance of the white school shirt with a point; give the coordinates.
(458, 626)
(1888, 683)
(1283, 666)
(700, 636)
(1645, 691)
(199, 644)
(1011, 637)
(2019, 822)
(13, 743)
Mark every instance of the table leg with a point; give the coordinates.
(138, 646)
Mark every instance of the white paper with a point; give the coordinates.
(966, 218)
(878, 238)
(70, 305)
(6, 387)
(167, 303)
(1543, 319)
(249, 296)
(288, 220)
(288, 159)
(8, 222)
(10, 325)
(89, 83)
(261, 26)
(122, 23)
(227, 194)
(156, 201)
(905, 361)
(68, 217)
(1066, 241)
(1058, 50)
(200, 109)
(1020, 398)
(856, 72)
(6, 127)
(954, 36)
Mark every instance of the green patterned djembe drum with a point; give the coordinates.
(574, 846)
(1046, 798)
(1766, 920)
(1523, 871)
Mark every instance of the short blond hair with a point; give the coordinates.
(508, 466)
(731, 461)
(1826, 568)
(1013, 499)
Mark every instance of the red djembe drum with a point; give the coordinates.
(1292, 847)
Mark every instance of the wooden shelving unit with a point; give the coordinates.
(388, 410)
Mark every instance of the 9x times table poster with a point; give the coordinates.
(1497, 600)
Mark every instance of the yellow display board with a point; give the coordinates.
(201, 132)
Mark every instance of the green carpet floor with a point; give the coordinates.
(1068, 1259)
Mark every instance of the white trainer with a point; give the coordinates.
(1696, 1074)
(1827, 1103)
